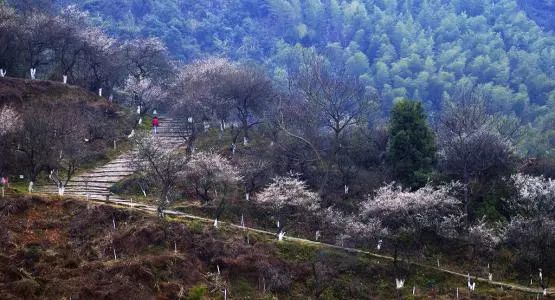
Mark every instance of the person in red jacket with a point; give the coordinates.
(155, 124)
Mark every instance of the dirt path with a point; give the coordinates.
(152, 210)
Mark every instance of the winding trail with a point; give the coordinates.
(95, 186)
(152, 210)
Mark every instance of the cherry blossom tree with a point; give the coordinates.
(285, 196)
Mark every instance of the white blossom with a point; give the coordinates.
(534, 195)
(395, 210)
(10, 120)
(288, 191)
(209, 171)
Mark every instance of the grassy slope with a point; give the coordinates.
(52, 249)
(23, 93)
(19, 91)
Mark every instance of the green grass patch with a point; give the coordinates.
(198, 292)
(296, 251)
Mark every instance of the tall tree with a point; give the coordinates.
(411, 151)
(474, 149)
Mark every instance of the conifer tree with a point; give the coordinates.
(411, 150)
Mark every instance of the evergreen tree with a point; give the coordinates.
(411, 150)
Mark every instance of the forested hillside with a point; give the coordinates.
(422, 131)
(404, 49)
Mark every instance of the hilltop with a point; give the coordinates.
(19, 92)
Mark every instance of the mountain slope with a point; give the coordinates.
(414, 49)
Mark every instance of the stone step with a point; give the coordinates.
(95, 175)
(75, 190)
(108, 169)
(95, 182)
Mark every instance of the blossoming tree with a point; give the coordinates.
(285, 196)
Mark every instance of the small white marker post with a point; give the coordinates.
(3, 73)
(100, 92)
(64, 79)
(399, 283)
(33, 73)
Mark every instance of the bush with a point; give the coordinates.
(197, 292)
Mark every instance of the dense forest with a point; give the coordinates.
(403, 49)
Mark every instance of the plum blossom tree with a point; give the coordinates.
(196, 89)
(194, 97)
(10, 120)
(161, 166)
(530, 230)
(208, 172)
(213, 177)
(401, 216)
(286, 196)
(473, 149)
(144, 93)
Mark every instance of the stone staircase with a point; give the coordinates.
(95, 184)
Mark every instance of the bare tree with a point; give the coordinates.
(161, 166)
(249, 90)
(340, 100)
